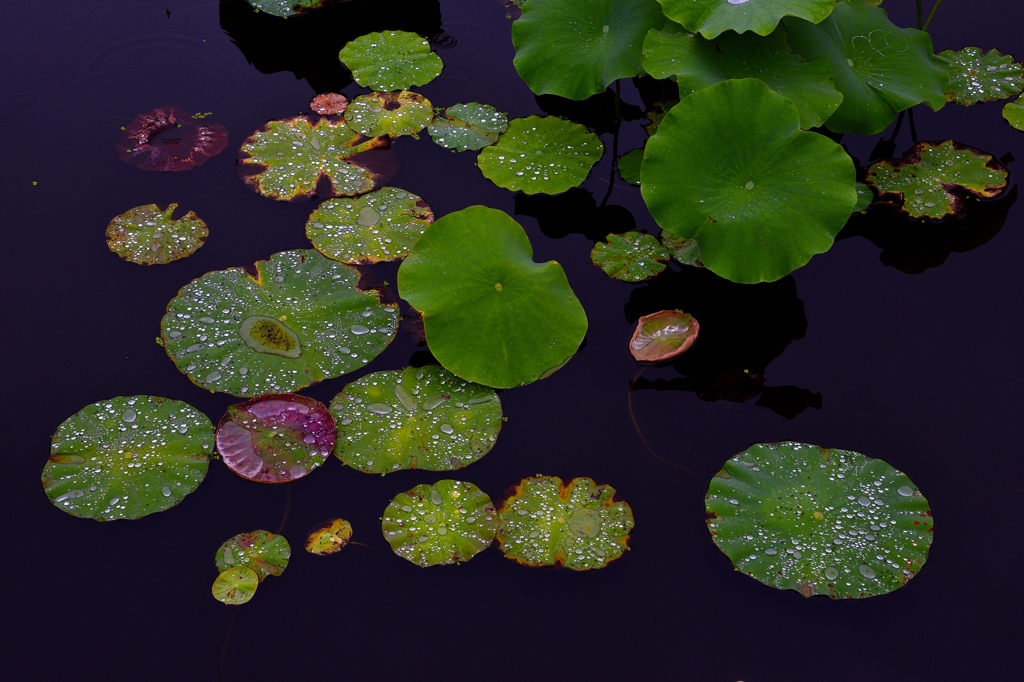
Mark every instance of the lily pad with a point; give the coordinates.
(148, 235)
(329, 104)
(127, 457)
(389, 113)
(932, 179)
(287, 8)
(414, 418)
(300, 320)
(629, 164)
(685, 251)
(276, 438)
(444, 523)
(462, 127)
(580, 525)
(976, 76)
(235, 586)
(169, 139)
(491, 315)
(865, 197)
(663, 335)
(390, 60)
(656, 114)
(296, 158)
(630, 257)
(260, 551)
(537, 154)
(782, 197)
(819, 521)
(711, 17)
(1013, 112)
(329, 537)
(379, 226)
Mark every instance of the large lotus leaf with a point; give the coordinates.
(975, 76)
(391, 60)
(415, 418)
(1013, 112)
(235, 586)
(299, 321)
(389, 113)
(759, 195)
(580, 525)
(575, 48)
(169, 139)
(287, 8)
(630, 257)
(663, 335)
(537, 154)
(379, 226)
(711, 17)
(261, 551)
(148, 235)
(931, 180)
(819, 521)
(491, 315)
(127, 457)
(697, 63)
(295, 158)
(329, 537)
(629, 164)
(881, 69)
(444, 523)
(462, 127)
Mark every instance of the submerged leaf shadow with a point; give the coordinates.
(574, 212)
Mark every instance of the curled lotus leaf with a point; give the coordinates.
(630, 257)
(127, 457)
(389, 113)
(976, 76)
(685, 251)
(288, 8)
(580, 525)
(300, 320)
(444, 523)
(462, 127)
(933, 179)
(712, 17)
(415, 418)
(329, 537)
(148, 234)
(235, 585)
(629, 164)
(390, 60)
(1013, 112)
(663, 335)
(329, 104)
(819, 521)
(379, 226)
(260, 551)
(169, 139)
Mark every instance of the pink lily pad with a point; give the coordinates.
(663, 335)
(169, 139)
(329, 104)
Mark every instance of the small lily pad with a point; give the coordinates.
(628, 165)
(379, 226)
(147, 235)
(1013, 112)
(329, 104)
(236, 585)
(329, 537)
(976, 76)
(287, 8)
(261, 551)
(169, 139)
(462, 127)
(685, 251)
(444, 523)
(127, 457)
(865, 197)
(819, 521)
(389, 113)
(656, 114)
(415, 418)
(712, 17)
(580, 525)
(630, 257)
(390, 60)
(663, 335)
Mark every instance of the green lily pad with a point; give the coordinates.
(711, 17)
(630, 257)
(657, 114)
(414, 418)
(299, 321)
(580, 525)
(260, 551)
(462, 127)
(881, 69)
(685, 251)
(235, 586)
(782, 198)
(976, 76)
(576, 48)
(537, 155)
(389, 113)
(444, 523)
(147, 235)
(379, 226)
(663, 335)
(1013, 112)
(865, 197)
(127, 457)
(287, 8)
(296, 158)
(819, 521)
(329, 537)
(629, 164)
(696, 63)
(932, 179)
(491, 315)
(390, 60)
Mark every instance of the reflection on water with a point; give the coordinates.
(574, 212)
(596, 112)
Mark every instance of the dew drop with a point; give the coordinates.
(359, 329)
(831, 573)
(750, 184)
(905, 490)
(368, 216)
(70, 495)
(866, 571)
(435, 496)
(446, 428)
(166, 490)
(379, 408)
(129, 415)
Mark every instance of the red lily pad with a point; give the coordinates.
(169, 139)
(329, 104)
(663, 335)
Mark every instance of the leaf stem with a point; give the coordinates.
(932, 15)
(919, 14)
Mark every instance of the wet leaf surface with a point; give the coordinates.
(1013, 112)
(865, 197)
(663, 335)
(235, 585)
(630, 257)
(389, 113)
(685, 251)
(329, 104)
(329, 537)
(391, 60)
(628, 165)
(976, 76)
(288, 8)
(149, 236)
(712, 17)
(468, 126)
(260, 551)
(379, 226)
(169, 139)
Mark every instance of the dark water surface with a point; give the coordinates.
(901, 342)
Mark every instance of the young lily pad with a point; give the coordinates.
(537, 154)
(287, 8)
(629, 164)
(169, 139)
(444, 523)
(462, 127)
(127, 457)
(391, 60)
(663, 335)
(630, 257)
(491, 315)
(656, 114)
(782, 198)
(415, 418)
(711, 17)
(329, 104)
(295, 158)
(685, 251)
(299, 321)
(260, 551)
(1013, 112)
(235, 586)
(819, 521)
(932, 179)
(976, 76)
(865, 197)
(389, 113)
(379, 226)
(580, 525)
(329, 537)
(147, 235)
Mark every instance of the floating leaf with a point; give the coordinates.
(391, 60)
(580, 525)
(657, 113)
(389, 113)
(444, 523)
(491, 315)
(329, 104)
(932, 179)
(329, 537)
(819, 521)
(975, 76)
(415, 418)
(630, 257)
(711, 17)
(537, 154)
(865, 197)
(628, 165)
(685, 251)
(127, 457)
(260, 551)
(299, 321)
(148, 235)
(236, 585)
(663, 335)
(468, 126)
(287, 8)
(1013, 112)
(169, 139)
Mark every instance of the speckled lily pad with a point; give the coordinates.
(329, 103)
(236, 585)
(630, 257)
(629, 164)
(391, 60)
(389, 113)
(287, 8)
(329, 537)
(976, 76)
(261, 551)
(148, 235)
(683, 250)
(663, 335)
(461, 127)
